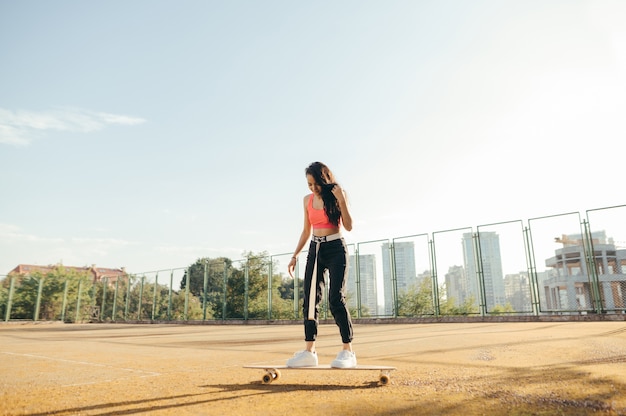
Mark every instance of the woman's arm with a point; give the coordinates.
(304, 237)
(346, 218)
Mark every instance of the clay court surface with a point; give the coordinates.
(522, 368)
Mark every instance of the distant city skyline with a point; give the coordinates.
(500, 288)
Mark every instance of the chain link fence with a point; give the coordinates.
(565, 264)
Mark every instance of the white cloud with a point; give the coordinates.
(102, 241)
(192, 250)
(19, 247)
(12, 234)
(21, 127)
(13, 135)
(182, 254)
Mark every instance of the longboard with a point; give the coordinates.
(272, 372)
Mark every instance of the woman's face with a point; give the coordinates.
(313, 186)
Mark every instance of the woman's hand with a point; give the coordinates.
(338, 192)
(292, 266)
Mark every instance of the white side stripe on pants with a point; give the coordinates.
(313, 289)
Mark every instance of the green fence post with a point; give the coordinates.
(169, 301)
(143, 279)
(357, 282)
(269, 290)
(80, 293)
(433, 272)
(478, 261)
(532, 271)
(205, 287)
(127, 303)
(591, 268)
(154, 295)
(114, 311)
(187, 279)
(224, 310)
(65, 291)
(38, 301)
(105, 281)
(246, 293)
(394, 279)
(296, 290)
(7, 315)
(94, 301)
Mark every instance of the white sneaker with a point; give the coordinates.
(345, 359)
(303, 359)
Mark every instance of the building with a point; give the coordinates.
(569, 287)
(491, 262)
(456, 285)
(517, 291)
(365, 286)
(404, 261)
(98, 274)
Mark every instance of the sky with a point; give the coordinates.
(146, 134)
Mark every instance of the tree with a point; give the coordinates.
(248, 287)
(53, 283)
(417, 300)
(502, 310)
(286, 288)
(232, 292)
(194, 307)
(284, 308)
(449, 306)
(215, 269)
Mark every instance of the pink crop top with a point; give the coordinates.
(318, 217)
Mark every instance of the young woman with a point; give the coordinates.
(325, 212)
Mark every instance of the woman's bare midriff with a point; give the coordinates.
(323, 232)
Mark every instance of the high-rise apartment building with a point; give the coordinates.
(404, 255)
(492, 276)
(365, 287)
(456, 285)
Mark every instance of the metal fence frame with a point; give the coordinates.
(600, 288)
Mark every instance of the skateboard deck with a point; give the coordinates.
(272, 372)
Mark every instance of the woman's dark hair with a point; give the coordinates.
(325, 179)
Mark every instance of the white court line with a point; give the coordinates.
(145, 373)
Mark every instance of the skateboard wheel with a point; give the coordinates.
(267, 378)
(384, 379)
(276, 375)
